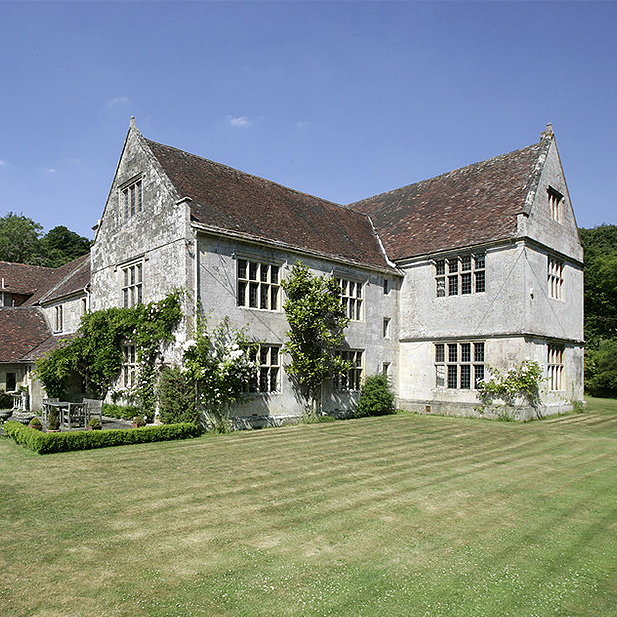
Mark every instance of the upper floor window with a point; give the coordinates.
(351, 298)
(554, 367)
(554, 277)
(459, 365)
(59, 318)
(258, 285)
(132, 292)
(132, 198)
(460, 275)
(352, 378)
(267, 377)
(555, 204)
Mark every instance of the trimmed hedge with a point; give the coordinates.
(48, 443)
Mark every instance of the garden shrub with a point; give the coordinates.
(177, 400)
(376, 397)
(123, 412)
(49, 443)
(6, 400)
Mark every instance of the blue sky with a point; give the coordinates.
(342, 100)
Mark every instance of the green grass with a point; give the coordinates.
(400, 515)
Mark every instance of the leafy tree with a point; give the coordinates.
(61, 245)
(600, 245)
(19, 239)
(317, 322)
(601, 369)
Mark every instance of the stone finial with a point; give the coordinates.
(132, 124)
(548, 132)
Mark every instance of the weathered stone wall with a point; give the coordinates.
(217, 295)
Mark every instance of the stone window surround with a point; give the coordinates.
(459, 365)
(131, 196)
(267, 378)
(352, 379)
(555, 277)
(555, 367)
(555, 204)
(352, 295)
(129, 365)
(59, 318)
(461, 274)
(132, 283)
(258, 282)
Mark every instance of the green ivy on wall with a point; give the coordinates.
(95, 353)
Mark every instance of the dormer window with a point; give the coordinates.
(555, 204)
(132, 198)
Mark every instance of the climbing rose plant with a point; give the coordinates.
(219, 362)
(521, 382)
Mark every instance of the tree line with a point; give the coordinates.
(600, 246)
(22, 241)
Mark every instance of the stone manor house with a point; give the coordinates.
(479, 267)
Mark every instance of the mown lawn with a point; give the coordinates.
(398, 516)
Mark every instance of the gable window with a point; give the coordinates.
(132, 291)
(129, 366)
(386, 286)
(460, 275)
(555, 202)
(459, 365)
(554, 276)
(351, 298)
(352, 378)
(132, 198)
(266, 379)
(258, 285)
(59, 318)
(554, 367)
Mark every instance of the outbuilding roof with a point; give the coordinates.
(21, 330)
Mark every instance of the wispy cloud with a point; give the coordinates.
(240, 121)
(2, 162)
(51, 171)
(303, 123)
(118, 100)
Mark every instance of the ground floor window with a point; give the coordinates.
(352, 378)
(129, 366)
(267, 377)
(459, 365)
(554, 367)
(11, 382)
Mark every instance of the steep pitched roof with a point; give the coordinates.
(63, 281)
(21, 330)
(227, 199)
(465, 207)
(21, 278)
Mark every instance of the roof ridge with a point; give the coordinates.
(447, 173)
(249, 175)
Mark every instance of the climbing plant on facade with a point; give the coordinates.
(95, 353)
(522, 382)
(317, 322)
(218, 361)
